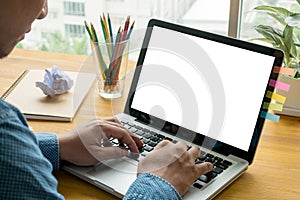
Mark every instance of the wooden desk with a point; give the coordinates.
(275, 173)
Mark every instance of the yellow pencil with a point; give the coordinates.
(106, 29)
(107, 36)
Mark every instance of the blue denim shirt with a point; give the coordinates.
(27, 161)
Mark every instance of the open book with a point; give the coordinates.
(35, 105)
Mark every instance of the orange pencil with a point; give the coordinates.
(126, 27)
(130, 30)
(118, 57)
(113, 57)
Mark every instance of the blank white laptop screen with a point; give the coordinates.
(216, 83)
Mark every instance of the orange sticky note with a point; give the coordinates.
(283, 70)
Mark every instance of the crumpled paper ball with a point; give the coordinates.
(55, 82)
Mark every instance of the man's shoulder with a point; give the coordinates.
(6, 108)
(9, 111)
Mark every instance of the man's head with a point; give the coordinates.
(16, 17)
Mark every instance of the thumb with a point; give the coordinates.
(204, 168)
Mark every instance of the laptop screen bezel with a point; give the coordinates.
(173, 129)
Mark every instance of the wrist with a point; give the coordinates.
(64, 141)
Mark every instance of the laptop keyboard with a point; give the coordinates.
(151, 139)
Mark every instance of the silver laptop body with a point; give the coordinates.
(205, 89)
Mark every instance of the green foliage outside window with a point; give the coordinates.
(56, 42)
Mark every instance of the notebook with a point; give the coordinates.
(198, 87)
(35, 105)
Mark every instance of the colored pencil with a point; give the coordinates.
(126, 27)
(115, 55)
(110, 29)
(108, 46)
(99, 54)
(130, 30)
(103, 29)
(94, 33)
(108, 35)
(115, 48)
(106, 29)
(88, 29)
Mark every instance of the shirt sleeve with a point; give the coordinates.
(25, 172)
(49, 146)
(148, 186)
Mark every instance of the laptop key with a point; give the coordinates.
(218, 159)
(140, 133)
(127, 126)
(132, 129)
(154, 133)
(123, 122)
(217, 170)
(226, 162)
(222, 166)
(146, 130)
(210, 155)
(204, 178)
(130, 124)
(147, 135)
(152, 143)
(197, 185)
(145, 140)
(154, 138)
(211, 174)
(148, 148)
(138, 127)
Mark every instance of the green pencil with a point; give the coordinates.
(103, 67)
(88, 30)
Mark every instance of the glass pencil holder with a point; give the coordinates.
(111, 61)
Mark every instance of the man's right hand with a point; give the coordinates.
(175, 164)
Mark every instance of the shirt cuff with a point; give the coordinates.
(150, 186)
(49, 146)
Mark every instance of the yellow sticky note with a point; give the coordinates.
(273, 106)
(277, 97)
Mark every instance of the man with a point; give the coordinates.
(28, 159)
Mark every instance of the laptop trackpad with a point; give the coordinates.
(117, 174)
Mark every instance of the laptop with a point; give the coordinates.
(198, 87)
